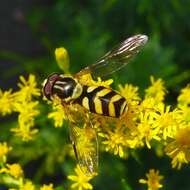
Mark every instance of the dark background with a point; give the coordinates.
(31, 30)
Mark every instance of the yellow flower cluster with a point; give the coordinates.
(58, 113)
(87, 79)
(153, 180)
(178, 146)
(23, 103)
(147, 120)
(4, 149)
(80, 180)
(6, 102)
(28, 185)
(47, 187)
(13, 174)
(14, 170)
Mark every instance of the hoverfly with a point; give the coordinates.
(94, 99)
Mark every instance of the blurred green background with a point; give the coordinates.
(31, 30)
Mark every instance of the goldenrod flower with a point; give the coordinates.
(58, 113)
(47, 187)
(157, 90)
(179, 148)
(100, 82)
(4, 149)
(153, 180)
(88, 80)
(25, 133)
(14, 170)
(86, 138)
(115, 141)
(130, 92)
(167, 121)
(62, 58)
(81, 181)
(27, 112)
(185, 112)
(22, 103)
(149, 104)
(28, 88)
(27, 186)
(6, 102)
(184, 97)
(184, 103)
(145, 129)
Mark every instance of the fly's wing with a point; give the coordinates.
(85, 145)
(116, 58)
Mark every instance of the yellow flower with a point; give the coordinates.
(86, 137)
(184, 103)
(28, 88)
(115, 141)
(4, 149)
(27, 112)
(62, 58)
(27, 186)
(168, 122)
(99, 82)
(47, 187)
(156, 90)
(149, 104)
(153, 180)
(21, 102)
(6, 102)
(81, 181)
(26, 108)
(58, 113)
(130, 92)
(145, 130)
(185, 112)
(184, 97)
(88, 80)
(25, 133)
(179, 148)
(14, 170)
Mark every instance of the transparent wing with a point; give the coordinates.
(117, 57)
(85, 145)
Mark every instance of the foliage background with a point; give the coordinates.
(30, 32)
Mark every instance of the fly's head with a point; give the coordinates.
(65, 87)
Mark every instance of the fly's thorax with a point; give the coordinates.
(65, 87)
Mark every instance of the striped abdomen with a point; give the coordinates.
(102, 100)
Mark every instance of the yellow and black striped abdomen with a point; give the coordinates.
(102, 100)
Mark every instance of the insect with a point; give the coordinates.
(94, 99)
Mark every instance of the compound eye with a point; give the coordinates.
(53, 77)
(48, 84)
(47, 89)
